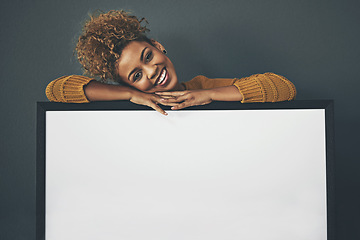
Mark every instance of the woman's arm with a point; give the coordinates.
(267, 87)
(187, 98)
(81, 89)
(96, 91)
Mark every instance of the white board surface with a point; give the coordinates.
(191, 175)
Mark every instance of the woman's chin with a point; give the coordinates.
(171, 86)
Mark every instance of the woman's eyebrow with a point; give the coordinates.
(141, 59)
(142, 54)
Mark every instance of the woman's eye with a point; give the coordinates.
(148, 56)
(137, 76)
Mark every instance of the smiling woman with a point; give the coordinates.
(146, 68)
(113, 46)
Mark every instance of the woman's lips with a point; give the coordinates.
(163, 78)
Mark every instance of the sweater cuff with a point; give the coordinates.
(68, 89)
(250, 89)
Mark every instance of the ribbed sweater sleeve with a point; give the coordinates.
(267, 87)
(68, 89)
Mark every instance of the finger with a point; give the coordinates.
(168, 104)
(175, 93)
(181, 106)
(166, 97)
(169, 101)
(157, 108)
(157, 99)
(175, 99)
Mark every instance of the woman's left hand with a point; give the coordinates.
(183, 99)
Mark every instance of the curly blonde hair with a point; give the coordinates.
(103, 38)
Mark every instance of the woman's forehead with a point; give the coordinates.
(131, 51)
(131, 57)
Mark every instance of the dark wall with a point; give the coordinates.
(314, 43)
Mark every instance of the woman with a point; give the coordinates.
(113, 46)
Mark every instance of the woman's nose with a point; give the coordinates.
(151, 72)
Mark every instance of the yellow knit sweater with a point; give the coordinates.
(267, 87)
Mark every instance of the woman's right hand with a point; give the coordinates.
(96, 91)
(147, 99)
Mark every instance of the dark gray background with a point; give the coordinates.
(313, 43)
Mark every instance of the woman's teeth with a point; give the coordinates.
(162, 77)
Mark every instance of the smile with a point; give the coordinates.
(163, 78)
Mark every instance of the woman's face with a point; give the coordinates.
(146, 68)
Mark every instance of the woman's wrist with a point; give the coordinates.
(97, 91)
(228, 93)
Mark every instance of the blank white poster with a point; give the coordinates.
(191, 175)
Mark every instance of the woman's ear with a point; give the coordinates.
(158, 45)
